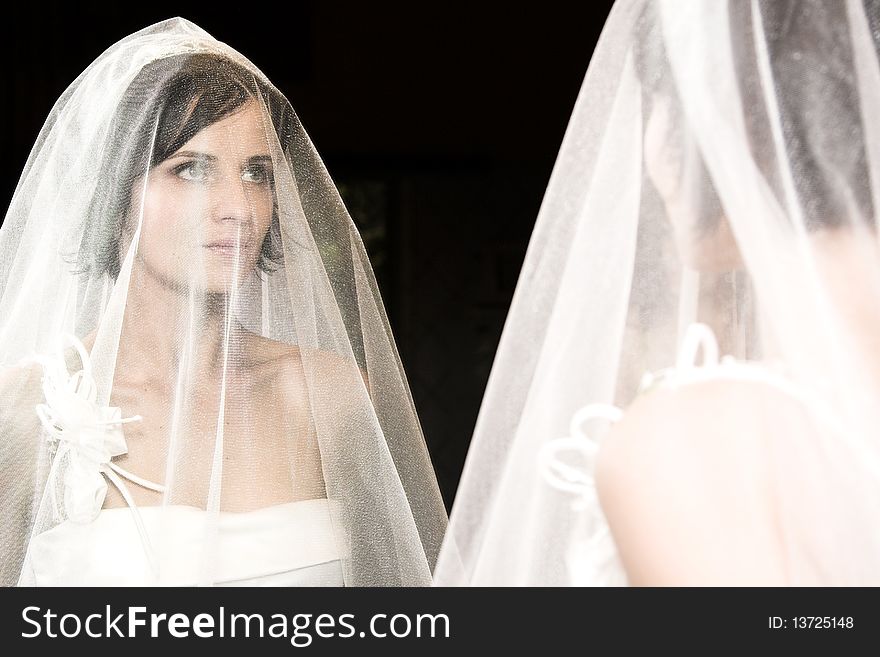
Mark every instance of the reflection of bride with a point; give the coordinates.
(199, 382)
(715, 196)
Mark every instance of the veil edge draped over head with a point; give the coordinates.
(697, 311)
(189, 322)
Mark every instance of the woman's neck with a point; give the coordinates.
(164, 324)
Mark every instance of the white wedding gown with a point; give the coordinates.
(289, 544)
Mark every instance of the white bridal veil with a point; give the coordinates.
(715, 195)
(198, 381)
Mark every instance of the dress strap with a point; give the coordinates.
(687, 371)
(86, 436)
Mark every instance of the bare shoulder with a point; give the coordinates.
(20, 392)
(23, 374)
(265, 354)
(22, 378)
(685, 480)
(288, 366)
(724, 418)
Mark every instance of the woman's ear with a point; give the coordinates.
(127, 225)
(662, 155)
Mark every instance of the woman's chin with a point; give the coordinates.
(222, 282)
(208, 283)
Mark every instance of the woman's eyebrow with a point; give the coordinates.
(194, 154)
(253, 159)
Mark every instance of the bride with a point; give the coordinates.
(198, 381)
(687, 387)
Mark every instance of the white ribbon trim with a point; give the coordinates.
(87, 436)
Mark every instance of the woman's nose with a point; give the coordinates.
(230, 201)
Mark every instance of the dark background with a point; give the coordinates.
(440, 124)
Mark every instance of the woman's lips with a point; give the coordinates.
(226, 247)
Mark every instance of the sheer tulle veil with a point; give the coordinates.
(710, 218)
(189, 320)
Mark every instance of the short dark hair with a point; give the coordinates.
(811, 68)
(168, 102)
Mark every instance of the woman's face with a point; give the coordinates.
(702, 233)
(208, 207)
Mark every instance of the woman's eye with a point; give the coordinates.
(256, 174)
(195, 171)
